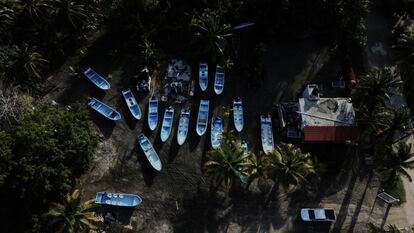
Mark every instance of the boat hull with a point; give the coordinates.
(267, 133)
(202, 118)
(149, 152)
(216, 132)
(132, 104)
(97, 79)
(238, 118)
(219, 80)
(153, 113)
(104, 109)
(117, 199)
(167, 124)
(183, 123)
(203, 75)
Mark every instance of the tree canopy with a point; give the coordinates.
(41, 158)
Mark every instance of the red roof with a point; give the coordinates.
(330, 133)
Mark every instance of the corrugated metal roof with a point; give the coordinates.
(330, 133)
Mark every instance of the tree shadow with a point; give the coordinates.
(174, 147)
(105, 126)
(341, 216)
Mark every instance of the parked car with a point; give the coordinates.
(317, 215)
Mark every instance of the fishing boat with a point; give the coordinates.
(153, 112)
(216, 131)
(238, 114)
(149, 152)
(98, 80)
(132, 103)
(104, 109)
(219, 80)
(245, 148)
(167, 123)
(267, 133)
(183, 126)
(203, 75)
(117, 199)
(202, 118)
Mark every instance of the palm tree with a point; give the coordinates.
(210, 32)
(27, 62)
(373, 89)
(149, 51)
(289, 166)
(7, 17)
(394, 163)
(256, 166)
(401, 122)
(73, 13)
(227, 163)
(35, 10)
(73, 216)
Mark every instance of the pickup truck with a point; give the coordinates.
(317, 215)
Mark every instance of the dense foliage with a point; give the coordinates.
(41, 158)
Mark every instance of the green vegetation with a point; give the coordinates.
(389, 229)
(41, 159)
(72, 215)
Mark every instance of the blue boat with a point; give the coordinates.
(117, 199)
(183, 126)
(98, 80)
(238, 114)
(167, 123)
(132, 103)
(149, 152)
(216, 132)
(104, 109)
(219, 80)
(267, 133)
(153, 113)
(203, 75)
(202, 118)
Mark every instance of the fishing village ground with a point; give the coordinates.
(177, 199)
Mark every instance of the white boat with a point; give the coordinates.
(202, 118)
(183, 123)
(203, 75)
(153, 112)
(97, 79)
(167, 123)
(219, 80)
(267, 133)
(216, 132)
(104, 109)
(132, 103)
(149, 152)
(238, 114)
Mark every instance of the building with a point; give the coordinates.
(317, 119)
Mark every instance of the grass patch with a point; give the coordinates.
(396, 189)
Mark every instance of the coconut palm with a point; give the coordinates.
(400, 122)
(227, 163)
(289, 166)
(7, 17)
(35, 10)
(395, 162)
(210, 32)
(149, 51)
(373, 89)
(256, 166)
(73, 216)
(28, 63)
(72, 13)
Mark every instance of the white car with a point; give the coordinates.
(317, 215)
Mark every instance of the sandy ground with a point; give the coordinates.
(177, 199)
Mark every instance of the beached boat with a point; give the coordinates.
(167, 123)
(219, 80)
(238, 114)
(117, 199)
(267, 133)
(183, 123)
(98, 80)
(149, 152)
(153, 112)
(202, 118)
(245, 148)
(216, 131)
(132, 103)
(203, 75)
(104, 109)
